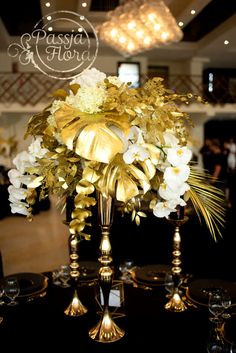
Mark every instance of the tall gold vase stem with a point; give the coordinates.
(176, 262)
(176, 302)
(106, 330)
(75, 308)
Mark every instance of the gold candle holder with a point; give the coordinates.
(176, 302)
(75, 308)
(105, 330)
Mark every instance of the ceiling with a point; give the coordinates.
(204, 32)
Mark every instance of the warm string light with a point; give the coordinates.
(139, 25)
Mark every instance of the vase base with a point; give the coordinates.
(176, 304)
(106, 331)
(75, 308)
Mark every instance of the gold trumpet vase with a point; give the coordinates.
(106, 329)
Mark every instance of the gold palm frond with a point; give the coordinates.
(208, 201)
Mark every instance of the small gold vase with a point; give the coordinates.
(105, 330)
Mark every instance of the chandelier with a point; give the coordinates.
(139, 25)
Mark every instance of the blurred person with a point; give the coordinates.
(206, 155)
(231, 160)
(218, 169)
(230, 146)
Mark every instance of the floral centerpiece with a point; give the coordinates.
(130, 143)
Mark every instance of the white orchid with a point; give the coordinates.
(35, 149)
(167, 193)
(176, 175)
(179, 155)
(18, 177)
(17, 194)
(23, 160)
(170, 139)
(15, 177)
(20, 207)
(135, 153)
(163, 209)
(135, 135)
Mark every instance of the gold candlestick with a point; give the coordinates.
(106, 330)
(75, 308)
(176, 302)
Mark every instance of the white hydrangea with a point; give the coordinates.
(87, 99)
(56, 104)
(90, 78)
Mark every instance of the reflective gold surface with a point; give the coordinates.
(106, 330)
(176, 303)
(75, 308)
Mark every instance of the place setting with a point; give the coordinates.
(22, 287)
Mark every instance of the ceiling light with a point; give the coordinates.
(139, 25)
(84, 4)
(226, 42)
(181, 23)
(47, 4)
(192, 12)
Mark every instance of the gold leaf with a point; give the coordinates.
(84, 201)
(74, 87)
(36, 182)
(133, 215)
(137, 220)
(99, 143)
(85, 236)
(81, 214)
(126, 188)
(84, 187)
(76, 226)
(141, 214)
(60, 93)
(90, 175)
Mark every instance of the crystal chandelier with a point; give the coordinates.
(139, 25)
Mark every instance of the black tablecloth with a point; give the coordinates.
(41, 324)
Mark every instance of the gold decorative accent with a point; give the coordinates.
(75, 308)
(176, 302)
(106, 329)
(176, 269)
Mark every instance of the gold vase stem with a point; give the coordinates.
(75, 308)
(106, 330)
(176, 302)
